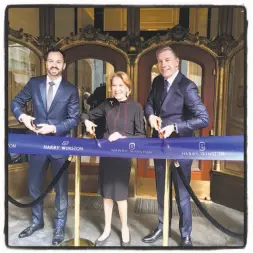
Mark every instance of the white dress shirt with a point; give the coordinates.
(56, 84)
(171, 80)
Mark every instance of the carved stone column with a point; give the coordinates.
(133, 21)
(99, 18)
(225, 20)
(47, 21)
(133, 33)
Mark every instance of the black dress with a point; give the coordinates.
(127, 118)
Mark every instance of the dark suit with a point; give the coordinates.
(64, 114)
(182, 106)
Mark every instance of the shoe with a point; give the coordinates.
(58, 236)
(30, 230)
(186, 242)
(99, 243)
(153, 236)
(125, 244)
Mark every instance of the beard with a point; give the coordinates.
(54, 72)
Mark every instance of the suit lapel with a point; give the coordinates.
(59, 94)
(160, 86)
(43, 94)
(172, 89)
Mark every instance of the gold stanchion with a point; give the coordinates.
(77, 241)
(166, 211)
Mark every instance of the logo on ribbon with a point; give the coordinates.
(132, 146)
(65, 143)
(202, 146)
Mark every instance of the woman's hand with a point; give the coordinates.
(115, 136)
(90, 126)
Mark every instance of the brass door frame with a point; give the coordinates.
(26, 40)
(228, 48)
(132, 48)
(90, 36)
(222, 48)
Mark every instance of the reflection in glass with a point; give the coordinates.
(22, 65)
(93, 79)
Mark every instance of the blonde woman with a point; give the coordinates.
(124, 119)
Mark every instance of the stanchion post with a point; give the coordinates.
(77, 241)
(166, 210)
(77, 201)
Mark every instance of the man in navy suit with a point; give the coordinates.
(55, 104)
(175, 103)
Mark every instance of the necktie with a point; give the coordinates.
(165, 89)
(50, 95)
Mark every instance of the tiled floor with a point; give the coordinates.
(204, 234)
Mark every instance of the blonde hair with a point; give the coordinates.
(125, 78)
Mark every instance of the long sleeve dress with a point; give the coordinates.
(127, 118)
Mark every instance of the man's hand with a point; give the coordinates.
(45, 129)
(90, 126)
(115, 136)
(155, 122)
(28, 121)
(167, 131)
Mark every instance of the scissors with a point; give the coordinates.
(36, 126)
(159, 123)
(95, 137)
(161, 134)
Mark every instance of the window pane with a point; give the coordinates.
(22, 65)
(93, 83)
(158, 18)
(115, 19)
(85, 16)
(194, 72)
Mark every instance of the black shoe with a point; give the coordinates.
(186, 242)
(125, 244)
(153, 236)
(30, 230)
(58, 236)
(99, 243)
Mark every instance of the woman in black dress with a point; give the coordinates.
(124, 118)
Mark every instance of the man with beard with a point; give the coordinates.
(55, 104)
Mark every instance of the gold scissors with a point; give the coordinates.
(159, 123)
(95, 137)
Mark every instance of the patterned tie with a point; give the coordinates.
(50, 95)
(165, 89)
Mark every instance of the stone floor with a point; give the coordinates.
(204, 234)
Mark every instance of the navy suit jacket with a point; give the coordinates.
(64, 111)
(182, 105)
